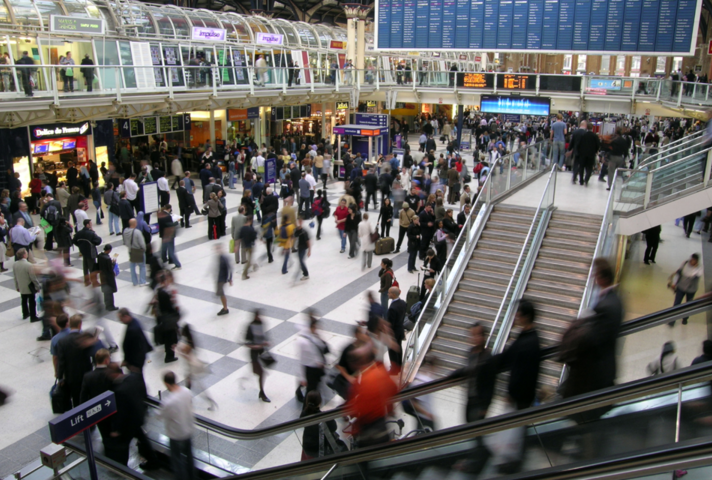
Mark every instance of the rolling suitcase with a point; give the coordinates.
(413, 295)
(385, 245)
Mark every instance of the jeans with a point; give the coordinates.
(142, 272)
(168, 251)
(114, 226)
(232, 179)
(317, 172)
(247, 257)
(342, 234)
(182, 459)
(302, 262)
(353, 243)
(679, 295)
(614, 163)
(99, 212)
(557, 153)
(384, 301)
(304, 201)
(286, 260)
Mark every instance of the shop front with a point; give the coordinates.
(242, 124)
(52, 147)
(142, 133)
(296, 121)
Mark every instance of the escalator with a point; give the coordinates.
(641, 414)
(672, 151)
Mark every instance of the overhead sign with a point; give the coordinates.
(212, 34)
(269, 38)
(372, 119)
(82, 417)
(337, 45)
(355, 130)
(342, 105)
(537, 106)
(605, 83)
(62, 24)
(235, 114)
(370, 103)
(635, 27)
(138, 127)
(43, 132)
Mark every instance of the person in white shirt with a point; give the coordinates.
(177, 413)
(312, 356)
(81, 214)
(312, 183)
(259, 164)
(164, 192)
(131, 189)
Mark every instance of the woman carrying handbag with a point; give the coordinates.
(685, 282)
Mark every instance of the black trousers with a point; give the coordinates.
(319, 219)
(689, 222)
(124, 223)
(651, 249)
(108, 298)
(29, 306)
(313, 375)
(401, 235)
(584, 168)
(369, 196)
(89, 265)
(386, 229)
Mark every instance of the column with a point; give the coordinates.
(212, 127)
(356, 15)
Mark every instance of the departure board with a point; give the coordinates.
(564, 26)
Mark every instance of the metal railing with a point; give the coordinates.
(672, 148)
(495, 186)
(541, 220)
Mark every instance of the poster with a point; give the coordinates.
(270, 170)
(149, 194)
(465, 142)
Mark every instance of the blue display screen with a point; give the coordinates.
(515, 105)
(69, 145)
(625, 26)
(40, 149)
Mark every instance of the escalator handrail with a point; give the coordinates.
(632, 326)
(666, 150)
(670, 165)
(560, 409)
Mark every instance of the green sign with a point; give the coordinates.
(62, 24)
(149, 126)
(164, 124)
(136, 127)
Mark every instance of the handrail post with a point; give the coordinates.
(117, 80)
(251, 79)
(660, 89)
(679, 411)
(169, 79)
(679, 94)
(648, 188)
(214, 79)
(55, 89)
(708, 169)
(284, 80)
(526, 163)
(508, 171)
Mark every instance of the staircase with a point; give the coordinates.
(483, 284)
(558, 279)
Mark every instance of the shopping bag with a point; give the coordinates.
(231, 248)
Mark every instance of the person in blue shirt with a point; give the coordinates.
(61, 321)
(558, 137)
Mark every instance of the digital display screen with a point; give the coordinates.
(575, 26)
(165, 124)
(136, 127)
(40, 149)
(537, 106)
(560, 83)
(513, 81)
(149, 126)
(69, 145)
(177, 123)
(475, 80)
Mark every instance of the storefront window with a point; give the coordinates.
(677, 63)
(581, 67)
(660, 65)
(107, 54)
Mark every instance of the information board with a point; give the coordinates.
(136, 127)
(149, 125)
(565, 26)
(537, 106)
(165, 124)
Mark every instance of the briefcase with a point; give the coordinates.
(59, 398)
(385, 245)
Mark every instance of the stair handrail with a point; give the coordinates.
(552, 174)
(543, 221)
(671, 164)
(665, 149)
(468, 235)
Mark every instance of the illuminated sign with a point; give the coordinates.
(59, 23)
(213, 34)
(60, 130)
(269, 38)
(515, 105)
(342, 105)
(475, 80)
(516, 82)
(370, 103)
(336, 45)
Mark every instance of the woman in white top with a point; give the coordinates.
(365, 230)
(685, 282)
(195, 368)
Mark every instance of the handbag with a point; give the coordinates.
(267, 359)
(135, 254)
(116, 269)
(9, 251)
(58, 397)
(231, 248)
(338, 383)
(374, 237)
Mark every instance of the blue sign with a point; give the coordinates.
(574, 26)
(82, 417)
(515, 105)
(270, 170)
(372, 120)
(253, 112)
(513, 118)
(605, 84)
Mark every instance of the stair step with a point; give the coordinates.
(473, 312)
(584, 258)
(561, 265)
(507, 226)
(511, 237)
(545, 286)
(499, 244)
(566, 232)
(576, 216)
(515, 209)
(482, 287)
(574, 225)
(452, 343)
(546, 311)
(559, 276)
(490, 265)
(477, 299)
(584, 245)
(487, 277)
(508, 217)
(554, 298)
(497, 255)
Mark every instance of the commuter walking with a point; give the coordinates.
(340, 215)
(247, 236)
(177, 413)
(314, 443)
(365, 238)
(618, 149)
(652, 240)
(167, 233)
(167, 315)
(74, 359)
(86, 241)
(312, 357)
(27, 284)
(88, 72)
(257, 341)
(414, 240)
(686, 281)
(396, 318)
(236, 224)
(135, 345)
(388, 279)
(286, 240)
(126, 212)
(304, 244)
(69, 63)
(480, 375)
(134, 241)
(27, 72)
(195, 368)
(185, 204)
(385, 217)
(224, 276)
(351, 228)
(586, 152)
(111, 200)
(558, 138)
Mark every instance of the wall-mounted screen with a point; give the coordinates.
(41, 149)
(69, 145)
(537, 106)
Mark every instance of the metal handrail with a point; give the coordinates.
(506, 328)
(665, 149)
(564, 408)
(498, 342)
(669, 165)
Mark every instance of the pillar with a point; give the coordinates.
(212, 127)
(356, 15)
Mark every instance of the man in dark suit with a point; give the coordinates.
(23, 214)
(185, 205)
(126, 212)
(97, 382)
(107, 277)
(574, 148)
(588, 148)
(86, 241)
(591, 358)
(72, 175)
(74, 359)
(396, 317)
(135, 345)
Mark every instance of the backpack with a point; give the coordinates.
(316, 208)
(415, 311)
(51, 214)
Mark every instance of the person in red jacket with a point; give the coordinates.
(340, 215)
(35, 191)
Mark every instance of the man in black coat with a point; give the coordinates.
(126, 211)
(51, 213)
(97, 382)
(427, 229)
(296, 175)
(86, 241)
(396, 317)
(588, 147)
(135, 345)
(574, 148)
(371, 184)
(185, 205)
(107, 277)
(74, 359)
(591, 356)
(72, 175)
(522, 358)
(270, 203)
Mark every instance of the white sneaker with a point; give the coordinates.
(305, 278)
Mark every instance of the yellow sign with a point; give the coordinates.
(475, 80)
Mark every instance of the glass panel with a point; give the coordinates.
(140, 17)
(77, 8)
(209, 20)
(107, 54)
(4, 15)
(240, 26)
(195, 19)
(180, 23)
(172, 59)
(129, 75)
(47, 8)
(25, 13)
(165, 27)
